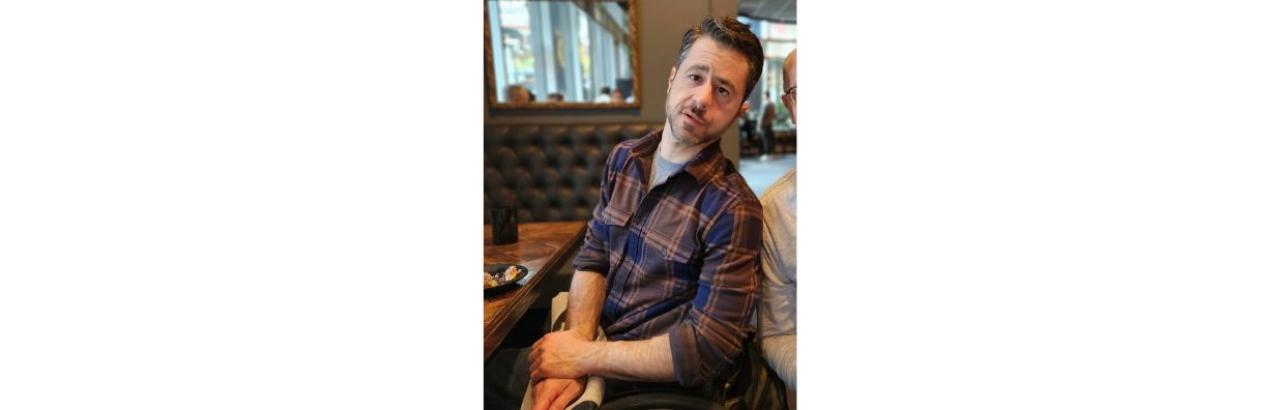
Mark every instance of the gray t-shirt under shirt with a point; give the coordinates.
(662, 169)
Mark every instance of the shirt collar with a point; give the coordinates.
(702, 167)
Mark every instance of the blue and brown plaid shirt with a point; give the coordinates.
(680, 259)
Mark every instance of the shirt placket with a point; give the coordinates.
(636, 223)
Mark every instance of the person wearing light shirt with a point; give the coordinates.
(778, 283)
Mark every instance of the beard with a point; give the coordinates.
(694, 134)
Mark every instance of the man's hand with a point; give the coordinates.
(562, 354)
(556, 394)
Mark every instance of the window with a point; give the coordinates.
(778, 39)
(561, 48)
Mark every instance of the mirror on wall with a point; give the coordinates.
(561, 54)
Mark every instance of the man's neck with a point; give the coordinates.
(674, 151)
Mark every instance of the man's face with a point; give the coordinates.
(704, 94)
(788, 97)
(518, 95)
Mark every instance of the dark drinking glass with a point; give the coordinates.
(504, 226)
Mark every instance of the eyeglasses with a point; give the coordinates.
(791, 92)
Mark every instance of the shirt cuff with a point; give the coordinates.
(592, 261)
(780, 353)
(684, 355)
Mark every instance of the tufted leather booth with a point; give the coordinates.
(551, 172)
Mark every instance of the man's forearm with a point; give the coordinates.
(642, 360)
(586, 300)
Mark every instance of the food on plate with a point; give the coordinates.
(496, 279)
(511, 273)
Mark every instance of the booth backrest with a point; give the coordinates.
(551, 172)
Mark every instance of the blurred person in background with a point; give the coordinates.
(517, 94)
(767, 116)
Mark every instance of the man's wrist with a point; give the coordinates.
(594, 357)
(584, 332)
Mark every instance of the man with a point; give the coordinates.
(517, 94)
(778, 288)
(767, 116)
(668, 267)
(606, 94)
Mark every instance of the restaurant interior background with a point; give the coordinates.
(660, 24)
(544, 157)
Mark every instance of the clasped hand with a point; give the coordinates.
(561, 355)
(556, 369)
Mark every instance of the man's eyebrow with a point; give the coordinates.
(699, 67)
(724, 82)
(703, 68)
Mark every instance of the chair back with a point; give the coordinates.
(550, 172)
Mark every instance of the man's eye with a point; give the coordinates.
(724, 91)
(694, 77)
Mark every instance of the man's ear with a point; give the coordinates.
(671, 78)
(745, 106)
(791, 108)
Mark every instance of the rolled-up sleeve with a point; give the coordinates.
(592, 256)
(711, 335)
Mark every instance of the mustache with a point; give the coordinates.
(694, 116)
(694, 112)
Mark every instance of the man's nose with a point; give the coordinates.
(703, 97)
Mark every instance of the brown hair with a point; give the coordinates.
(728, 32)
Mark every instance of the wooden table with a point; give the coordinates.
(543, 248)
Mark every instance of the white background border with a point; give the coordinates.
(1005, 205)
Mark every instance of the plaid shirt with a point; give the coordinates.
(681, 259)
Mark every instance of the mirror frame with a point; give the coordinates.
(491, 94)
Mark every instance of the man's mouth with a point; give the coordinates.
(692, 118)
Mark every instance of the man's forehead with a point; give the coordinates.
(707, 52)
(707, 48)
